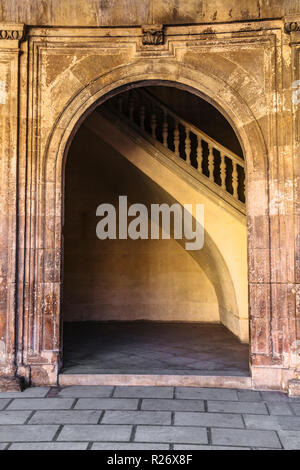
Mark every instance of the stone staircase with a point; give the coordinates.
(206, 160)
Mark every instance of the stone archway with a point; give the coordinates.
(50, 194)
(52, 76)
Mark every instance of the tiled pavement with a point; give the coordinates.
(155, 418)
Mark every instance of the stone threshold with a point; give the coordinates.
(156, 380)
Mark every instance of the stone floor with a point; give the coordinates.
(153, 348)
(155, 418)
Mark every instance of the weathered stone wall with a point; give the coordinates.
(243, 57)
(137, 12)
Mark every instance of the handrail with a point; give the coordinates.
(221, 166)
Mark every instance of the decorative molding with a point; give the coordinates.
(153, 35)
(9, 31)
(291, 23)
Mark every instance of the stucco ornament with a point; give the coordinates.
(14, 32)
(292, 26)
(153, 35)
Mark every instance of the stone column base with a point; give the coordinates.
(11, 384)
(44, 375)
(271, 378)
(294, 388)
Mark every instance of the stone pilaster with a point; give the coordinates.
(292, 30)
(10, 37)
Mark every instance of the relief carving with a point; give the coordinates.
(153, 35)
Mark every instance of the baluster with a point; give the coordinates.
(153, 123)
(223, 171)
(210, 162)
(176, 138)
(188, 146)
(131, 107)
(142, 116)
(235, 180)
(199, 154)
(165, 130)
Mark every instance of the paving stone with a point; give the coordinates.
(154, 430)
(107, 404)
(65, 417)
(86, 391)
(128, 446)
(195, 447)
(49, 446)
(27, 433)
(172, 434)
(293, 399)
(242, 437)
(206, 393)
(136, 417)
(225, 420)
(3, 403)
(144, 392)
(290, 439)
(296, 408)
(279, 408)
(173, 405)
(14, 417)
(237, 407)
(249, 395)
(291, 423)
(41, 404)
(274, 396)
(31, 392)
(99, 432)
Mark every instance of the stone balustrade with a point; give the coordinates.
(220, 165)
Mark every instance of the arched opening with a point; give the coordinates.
(149, 305)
